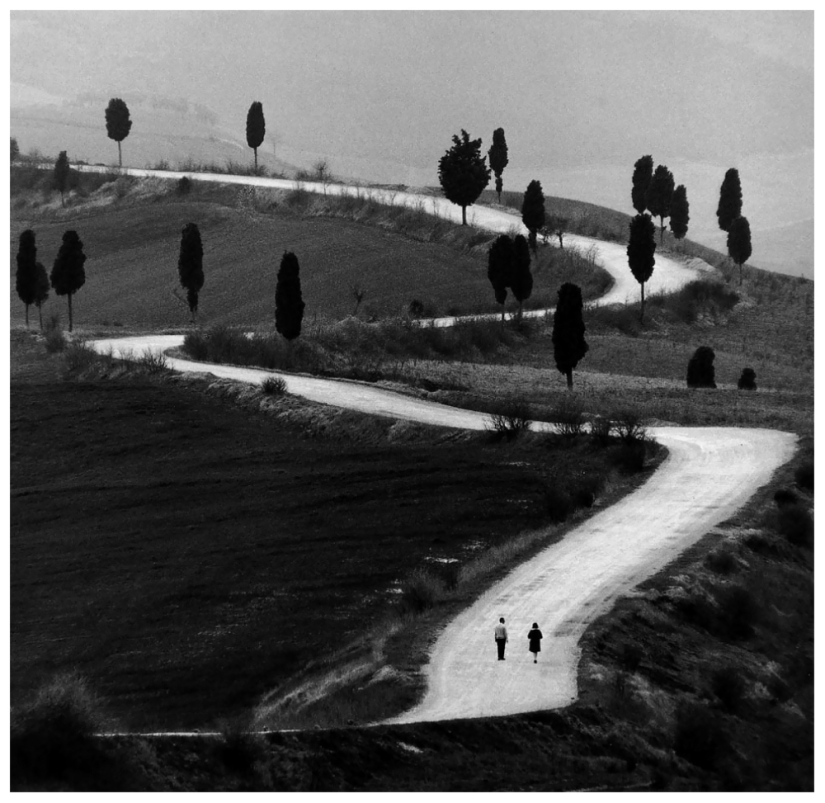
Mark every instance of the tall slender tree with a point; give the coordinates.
(498, 158)
(521, 282)
(640, 250)
(62, 170)
(255, 128)
(739, 242)
(289, 303)
(730, 199)
(679, 213)
(660, 195)
(532, 211)
(26, 277)
(500, 259)
(190, 265)
(642, 174)
(463, 172)
(42, 293)
(569, 345)
(68, 273)
(118, 124)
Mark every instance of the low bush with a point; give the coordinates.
(274, 386)
(621, 318)
(153, 362)
(796, 524)
(239, 748)
(721, 561)
(421, 591)
(568, 416)
(728, 685)
(748, 379)
(79, 356)
(804, 475)
(738, 612)
(627, 425)
(785, 496)
(699, 736)
(511, 420)
(697, 610)
(557, 504)
(601, 429)
(631, 455)
(184, 186)
(630, 656)
(55, 340)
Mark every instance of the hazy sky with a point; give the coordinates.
(382, 93)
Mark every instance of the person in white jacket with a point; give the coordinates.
(501, 638)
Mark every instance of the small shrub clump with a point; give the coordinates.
(421, 591)
(728, 685)
(154, 362)
(700, 737)
(184, 186)
(748, 379)
(796, 524)
(511, 420)
(568, 416)
(738, 612)
(274, 386)
(558, 504)
(721, 561)
(804, 475)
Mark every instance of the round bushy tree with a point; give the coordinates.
(60, 178)
(532, 210)
(255, 128)
(748, 379)
(739, 242)
(679, 212)
(190, 265)
(498, 158)
(700, 370)
(569, 345)
(521, 281)
(500, 260)
(640, 251)
(68, 273)
(118, 124)
(730, 199)
(463, 172)
(26, 276)
(642, 173)
(659, 196)
(289, 305)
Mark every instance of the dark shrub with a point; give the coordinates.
(761, 545)
(512, 419)
(748, 379)
(700, 371)
(184, 186)
(568, 416)
(738, 612)
(421, 591)
(700, 737)
(601, 428)
(587, 490)
(728, 685)
(796, 524)
(55, 340)
(416, 309)
(804, 475)
(630, 657)
(274, 386)
(721, 561)
(557, 504)
(627, 424)
(697, 610)
(239, 748)
(630, 456)
(196, 346)
(785, 496)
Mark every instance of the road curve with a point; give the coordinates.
(710, 472)
(669, 273)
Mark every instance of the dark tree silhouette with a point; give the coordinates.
(62, 170)
(463, 173)
(556, 226)
(521, 280)
(748, 379)
(640, 252)
(68, 274)
(700, 370)
(15, 149)
(190, 265)
(289, 305)
(118, 124)
(26, 276)
(679, 212)
(739, 242)
(42, 291)
(500, 261)
(569, 345)
(730, 199)
(642, 174)
(532, 210)
(255, 128)
(498, 158)
(416, 308)
(660, 195)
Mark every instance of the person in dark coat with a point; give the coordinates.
(534, 637)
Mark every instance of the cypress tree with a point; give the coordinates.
(642, 174)
(569, 345)
(61, 174)
(659, 195)
(68, 273)
(42, 293)
(463, 173)
(500, 259)
(118, 124)
(730, 199)
(498, 157)
(521, 282)
(532, 210)
(289, 305)
(679, 212)
(255, 128)
(190, 265)
(739, 242)
(26, 277)
(640, 250)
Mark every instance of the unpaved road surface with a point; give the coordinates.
(669, 273)
(709, 474)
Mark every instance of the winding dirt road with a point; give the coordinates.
(709, 474)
